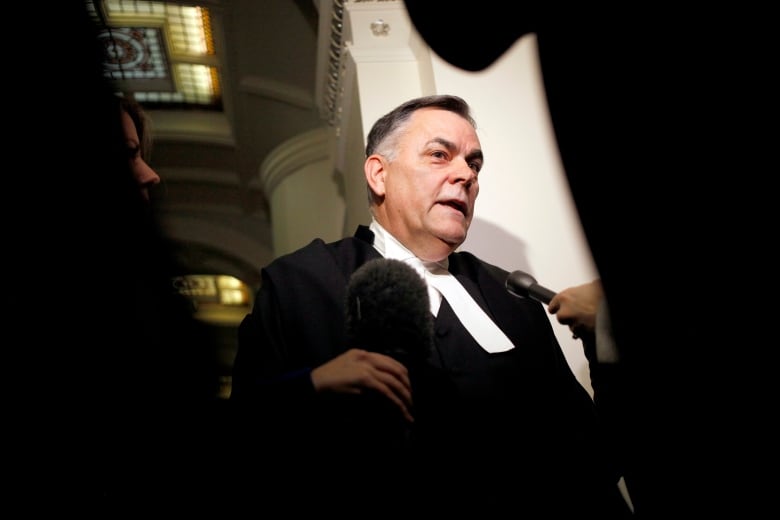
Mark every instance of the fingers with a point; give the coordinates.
(382, 362)
(397, 393)
(388, 377)
(357, 370)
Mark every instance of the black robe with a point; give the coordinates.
(510, 433)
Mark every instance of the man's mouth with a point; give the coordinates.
(457, 204)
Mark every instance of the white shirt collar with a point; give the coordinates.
(479, 325)
(389, 246)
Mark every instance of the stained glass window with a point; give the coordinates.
(161, 53)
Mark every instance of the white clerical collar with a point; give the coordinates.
(389, 246)
(442, 282)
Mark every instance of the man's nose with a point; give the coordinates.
(464, 173)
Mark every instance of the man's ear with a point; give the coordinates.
(374, 168)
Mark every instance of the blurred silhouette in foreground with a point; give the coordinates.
(119, 387)
(652, 112)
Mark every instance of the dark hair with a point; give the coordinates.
(388, 124)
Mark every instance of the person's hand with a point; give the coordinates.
(576, 307)
(356, 371)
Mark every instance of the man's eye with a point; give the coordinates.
(133, 152)
(475, 166)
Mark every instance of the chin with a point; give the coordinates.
(453, 240)
(451, 232)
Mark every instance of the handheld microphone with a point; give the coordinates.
(522, 284)
(388, 311)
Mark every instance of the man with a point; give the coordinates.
(493, 426)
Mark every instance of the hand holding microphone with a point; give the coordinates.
(387, 313)
(575, 307)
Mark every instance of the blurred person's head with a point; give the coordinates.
(137, 130)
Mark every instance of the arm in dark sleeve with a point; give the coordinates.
(263, 371)
(612, 398)
(607, 373)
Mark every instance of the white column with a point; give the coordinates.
(383, 63)
(304, 196)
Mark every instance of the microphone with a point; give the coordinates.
(388, 311)
(522, 284)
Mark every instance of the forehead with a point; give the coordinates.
(428, 123)
(129, 126)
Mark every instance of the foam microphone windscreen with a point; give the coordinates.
(388, 311)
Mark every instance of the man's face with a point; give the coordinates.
(431, 186)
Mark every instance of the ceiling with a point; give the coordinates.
(211, 199)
